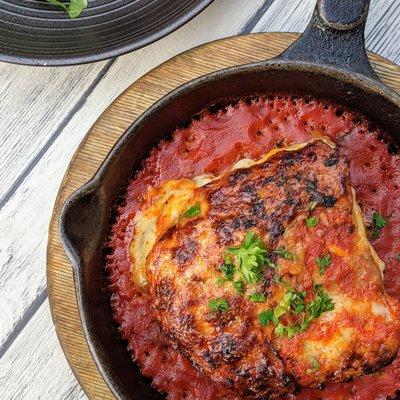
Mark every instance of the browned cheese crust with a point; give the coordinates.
(274, 199)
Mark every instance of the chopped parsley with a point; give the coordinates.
(219, 304)
(297, 304)
(315, 308)
(287, 255)
(239, 286)
(294, 304)
(193, 211)
(292, 330)
(257, 297)
(280, 330)
(283, 306)
(265, 317)
(378, 223)
(323, 263)
(250, 258)
(398, 257)
(315, 364)
(228, 270)
(73, 8)
(220, 281)
(312, 222)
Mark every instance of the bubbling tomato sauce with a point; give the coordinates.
(213, 142)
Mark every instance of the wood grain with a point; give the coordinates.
(102, 136)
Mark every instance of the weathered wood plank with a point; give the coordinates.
(35, 367)
(34, 105)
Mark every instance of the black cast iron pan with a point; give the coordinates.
(328, 61)
(37, 33)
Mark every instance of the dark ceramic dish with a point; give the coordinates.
(328, 61)
(36, 33)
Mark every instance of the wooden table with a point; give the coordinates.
(44, 114)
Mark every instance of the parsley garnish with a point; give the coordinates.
(257, 297)
(315, 308)
(283, 306)
(323, 263)
(315, 364)
(378, 223)
(297, 304)
(287, 255)
(74, 8)
(218, 305)
(265, 317)
(280, 330)
(293, 302)
(250, 258)
(193, 211)
(228, 270)
(312, 222)
(292, 330)
(239, 286)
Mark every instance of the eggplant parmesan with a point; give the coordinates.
(264, 276)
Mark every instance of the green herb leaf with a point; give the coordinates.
(312, 222)
(220, 281)
(321, 303)
(283, 306)
(287, 255)
(228, 270)
(280, 330)
(378, 223)
(398, 257)
(294, 302)
(218, 304)
(257, 297)
(73, 8)
(239, 286)
(265, 317)
(251, 258)
(315, 364)
(297, 303)
(193, 211)
(59, 4)
(292, 330)
(323, 263)
(76, 7)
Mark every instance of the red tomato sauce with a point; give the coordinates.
(212, 143)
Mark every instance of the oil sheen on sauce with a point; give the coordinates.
(213, 143)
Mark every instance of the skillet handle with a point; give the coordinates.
(335, 36)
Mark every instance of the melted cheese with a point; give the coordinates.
(163, 207)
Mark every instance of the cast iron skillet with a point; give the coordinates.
(328, 61)
(36, 33)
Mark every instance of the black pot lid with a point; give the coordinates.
(36, 33)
